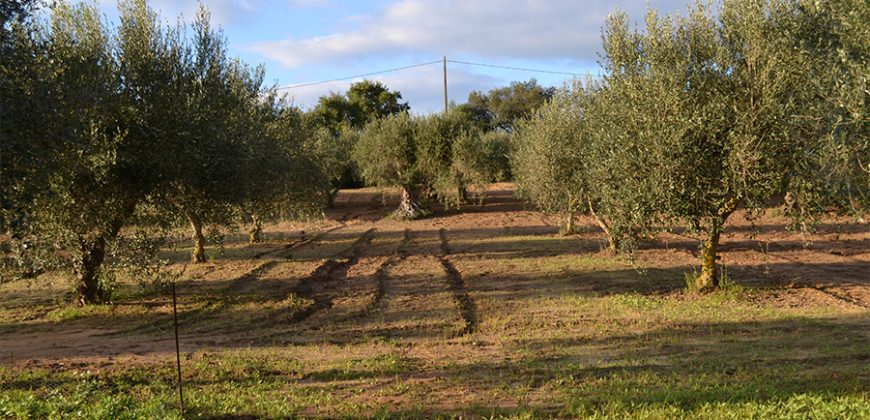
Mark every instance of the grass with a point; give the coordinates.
(561, 333)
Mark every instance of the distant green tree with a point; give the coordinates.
(364, 102)
(501, 108)
(342, 117)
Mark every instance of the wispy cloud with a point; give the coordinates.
(223, 12)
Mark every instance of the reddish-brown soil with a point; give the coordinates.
(360, 274)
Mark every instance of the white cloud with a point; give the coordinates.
(223, 12)
(544, 29)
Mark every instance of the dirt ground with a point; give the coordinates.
(446, 289)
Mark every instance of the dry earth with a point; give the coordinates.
(459, 300)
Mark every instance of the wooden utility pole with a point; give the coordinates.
(445, 84)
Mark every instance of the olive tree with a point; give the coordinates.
(448, 149)
(137, 124)
(734, 88)
(548, 159)
(387, 157)
(283, 176)
(424, 156)
(82, 189)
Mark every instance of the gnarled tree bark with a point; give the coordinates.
(198, 254)
(92, 254)
(612, 241)
(255, 234)
(87, 268)
(708, 279)
(409, 207)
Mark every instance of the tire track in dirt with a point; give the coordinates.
(301, 242)
(456, 285)
(316, 286)
(381, 275)
(248, 279)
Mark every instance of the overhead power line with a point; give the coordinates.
(429, 63)
(357, 76)
(520, 68)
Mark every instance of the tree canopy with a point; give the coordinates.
(140, 122)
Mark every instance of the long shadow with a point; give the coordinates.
(225, 316)
(685, 366)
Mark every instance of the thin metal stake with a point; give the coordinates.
(177, 350)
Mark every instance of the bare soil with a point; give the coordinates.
(463, 286)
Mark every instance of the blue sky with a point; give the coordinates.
(302, 41)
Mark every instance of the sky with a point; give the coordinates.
(304, 41)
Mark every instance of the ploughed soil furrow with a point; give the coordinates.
(467, 307)
(298, 243)
(381, 275)
(318, 285)
(249, 278)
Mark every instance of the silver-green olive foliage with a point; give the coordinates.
(581, 154)
(700, 114)
(834, 37)
(731, 89)
(548, 157)
(435, 154)
(139, 123)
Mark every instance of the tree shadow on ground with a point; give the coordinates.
(688, 366)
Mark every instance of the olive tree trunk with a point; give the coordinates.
(198, 254)
(87, 267)
(612, 241)
(708, 279)
(91, 255)
(330, 197)
(409, 207)
(255, 234)
(568, 227)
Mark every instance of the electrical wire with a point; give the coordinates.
(429, 63)
(520, 68)
(357, 76)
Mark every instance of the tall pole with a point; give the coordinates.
(445, 84)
